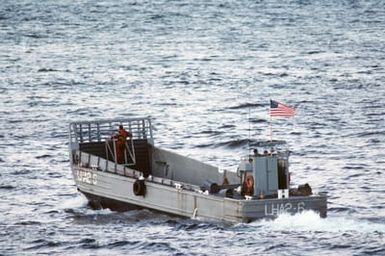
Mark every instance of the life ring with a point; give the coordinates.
(139, 188)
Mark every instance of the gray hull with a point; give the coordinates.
(114, 191)
(144, 176)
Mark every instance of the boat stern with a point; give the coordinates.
(272, 208)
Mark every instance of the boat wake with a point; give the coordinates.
(76, 202)
(309, 221)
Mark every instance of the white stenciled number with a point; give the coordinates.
(276, 209)
(288, 207)
(86, 177)
(94, 180)
(300, 207)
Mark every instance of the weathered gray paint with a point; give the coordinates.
(164, 195)
(174, 186)
(173, 166)
(266, 173)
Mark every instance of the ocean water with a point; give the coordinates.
(205, 71)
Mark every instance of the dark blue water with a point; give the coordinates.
(198, 68)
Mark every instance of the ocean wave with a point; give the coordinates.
(247, 105)
(45, 244)
(196, 67)
(311, 222)
(7, 187)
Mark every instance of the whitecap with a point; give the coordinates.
(310, 221)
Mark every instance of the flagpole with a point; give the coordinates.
(248, 140)
(271, 128)
(279, 109)
(271, 124)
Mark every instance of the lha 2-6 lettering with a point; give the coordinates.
(276, 209)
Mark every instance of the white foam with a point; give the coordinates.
(310, 221)
(77, 202)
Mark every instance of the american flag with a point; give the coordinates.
(279, 109)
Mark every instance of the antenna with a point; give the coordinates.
(248, 141)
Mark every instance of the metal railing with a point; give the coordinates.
(129, 153)
(102, 130)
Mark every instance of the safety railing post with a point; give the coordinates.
(89, 132)
(81, 133)
(116, 160)
(149, 127)
(98, 132)
(143, 129)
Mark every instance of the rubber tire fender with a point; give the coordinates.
(139, 188)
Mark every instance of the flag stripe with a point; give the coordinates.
(279, 109)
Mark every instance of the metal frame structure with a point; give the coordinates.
(101, 130)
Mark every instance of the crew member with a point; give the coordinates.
(225, 179)
(120, 143)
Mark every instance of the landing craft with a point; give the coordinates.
(142, 175)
